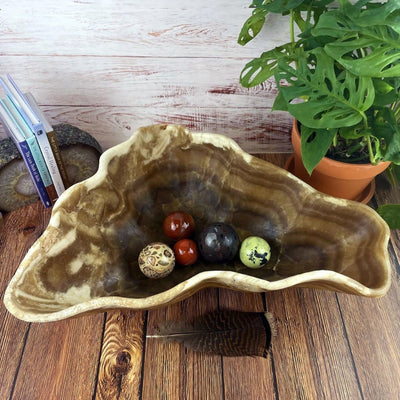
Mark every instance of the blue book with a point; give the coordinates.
(16, 135)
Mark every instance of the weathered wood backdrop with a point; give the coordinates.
(110, 67)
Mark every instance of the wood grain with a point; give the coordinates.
(140, 82)
(255, 132)
(247, 377)
(121, 356)
(261, 133)
(16, 236)
(61, 368)
(159, 28)
(112, 67)
(124, 102)
(170, 370)
(311, 354)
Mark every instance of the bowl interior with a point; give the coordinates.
(98, 227)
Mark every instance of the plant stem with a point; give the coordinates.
(309, 14)
(370, 151)
(396, 110)
(292, 39)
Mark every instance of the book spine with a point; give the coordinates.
(57, 155)
(27, 156)
(54, 159)
(49, 158)
(42, 168)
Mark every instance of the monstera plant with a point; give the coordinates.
(339, 75)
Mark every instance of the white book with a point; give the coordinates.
(50, 150)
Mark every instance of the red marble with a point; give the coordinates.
(178, 225)
(185, 251)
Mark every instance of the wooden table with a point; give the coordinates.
(328, 345)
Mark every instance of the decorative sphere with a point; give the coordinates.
(186, 252)
(255, 252)
(156, 260)
(178, 225)
(218, 242)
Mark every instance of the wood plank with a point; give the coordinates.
(373, 329)
(246, 377)
(21, 228)
(120, 367)
(60, 360)
(117, 28)
(254, 132)
(170, 370)
(139, 82)
(311, 354)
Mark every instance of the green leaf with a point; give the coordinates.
(279, 103)
(382, 86)
(258, 3)
(381, 59)
(314, 145)
(391, 214)
(386, 13)
(385, 127)
(334, 100)
(282, 6)
(252, 26)
(367, 41)
(395, 169)
(354, 132)
(334, 24)
(386, 91)
(260, 69)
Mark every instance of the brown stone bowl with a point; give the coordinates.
(86, 260)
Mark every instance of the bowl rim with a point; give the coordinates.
(325, 279)
(237, 281)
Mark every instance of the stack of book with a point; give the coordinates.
(35, 139)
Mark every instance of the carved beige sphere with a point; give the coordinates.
(156, 260)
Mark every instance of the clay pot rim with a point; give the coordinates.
(346, 170)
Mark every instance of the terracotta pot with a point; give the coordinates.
(339, 179)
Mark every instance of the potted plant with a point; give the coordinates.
(339, 77)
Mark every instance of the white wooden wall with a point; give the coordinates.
(110, 67)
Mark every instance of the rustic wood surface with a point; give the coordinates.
(328, 345)
(112, 66)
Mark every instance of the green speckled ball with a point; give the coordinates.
(255, 252)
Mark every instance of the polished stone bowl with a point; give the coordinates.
(87, 259)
